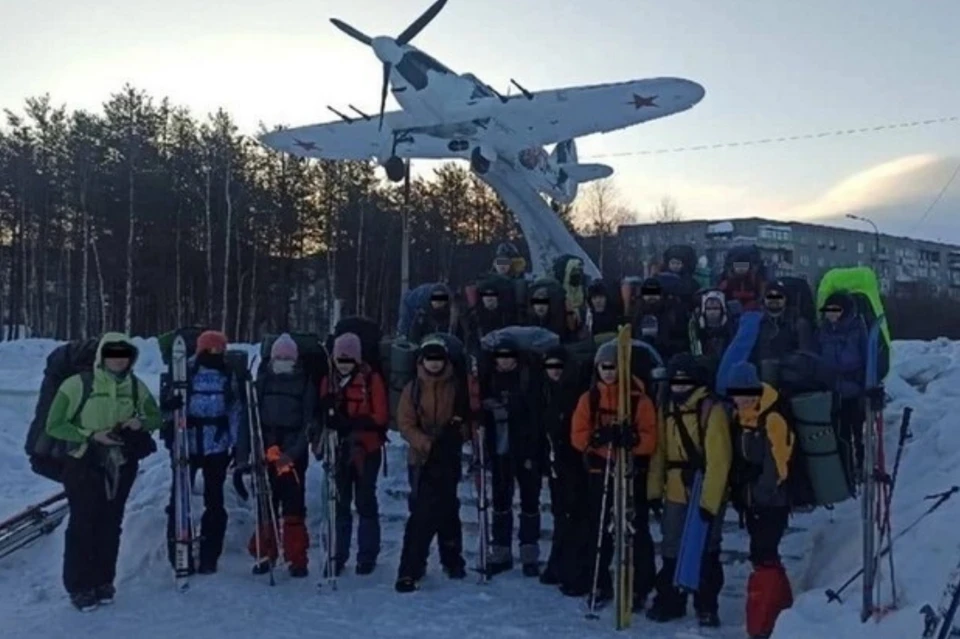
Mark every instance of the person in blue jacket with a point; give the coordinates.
(843, 348)
(215, 414)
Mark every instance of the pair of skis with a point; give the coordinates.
(329, 453)
(479, 463)
(186, 529)
(619, 469)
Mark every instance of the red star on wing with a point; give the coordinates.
(306, 146)
(640, 101)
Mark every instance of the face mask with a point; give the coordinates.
(211, 360)
(282, 366)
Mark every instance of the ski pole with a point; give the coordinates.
(886, 526)
(834, 595)
(592, 614)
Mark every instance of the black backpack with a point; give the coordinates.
(46, 454)
(370, 337)
(800, 298)
(799, 487)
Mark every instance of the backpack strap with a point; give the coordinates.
(696, 459)
(86, 381)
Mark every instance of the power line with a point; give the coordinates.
(787, 138)
(937, 199)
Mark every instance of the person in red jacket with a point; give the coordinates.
(354, 402)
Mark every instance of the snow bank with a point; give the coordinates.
(926, 377)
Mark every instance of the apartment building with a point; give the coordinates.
(904, 265)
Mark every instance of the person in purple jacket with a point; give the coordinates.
(843, 348)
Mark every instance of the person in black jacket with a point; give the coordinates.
(489, 315)
(288, 401)
(514, 439)
(562, 384)
(782, 331)
(603, 316)
(661, 320)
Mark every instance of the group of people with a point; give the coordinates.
(545, 414)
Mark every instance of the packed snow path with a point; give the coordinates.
(818, 553)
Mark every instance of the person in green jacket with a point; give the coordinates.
(108, 418)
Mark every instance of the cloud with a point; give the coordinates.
(894, 195)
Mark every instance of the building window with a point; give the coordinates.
(860, 248)
(804, 260)
(644, 240)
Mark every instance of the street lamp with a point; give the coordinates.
(876, 234)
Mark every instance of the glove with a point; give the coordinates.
(603, 437)
(656, 508)
(706, 516)
(172, 403)
(629, 437)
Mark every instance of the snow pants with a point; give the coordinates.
(290, 506)
(506, 471)
(768, 588)
(644, 568)
(213, 523)
(568, 505)
(434, 511)
(357, 483)
(706, 600)
(92, 538)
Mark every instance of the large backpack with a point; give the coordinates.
(370, 337)
(800, 493)
(686, 254)
(47, 453)
(410, 303)
(860, 282)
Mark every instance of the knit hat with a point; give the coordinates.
(434, 348)
(606, 354)
(557, 353)
(284, 348)
(743, 380)
(211, 341)
(347, 346)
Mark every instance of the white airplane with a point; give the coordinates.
(446, 115)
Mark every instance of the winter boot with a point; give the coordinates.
(295, 543)
(298, 572)
(708, 619)
(668, 603)
(456, 571)
(405, 584)
(105, 594)
(365, 567)
(85, 601)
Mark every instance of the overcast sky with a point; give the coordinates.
(770, 69)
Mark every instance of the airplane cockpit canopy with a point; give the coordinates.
(413, 66)
(480, 90)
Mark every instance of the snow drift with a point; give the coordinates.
(820, 550)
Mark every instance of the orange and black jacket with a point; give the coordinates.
(597, 408)
(363, 402)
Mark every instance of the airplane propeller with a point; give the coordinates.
(405, 37)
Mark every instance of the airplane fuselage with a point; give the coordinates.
(428, 90)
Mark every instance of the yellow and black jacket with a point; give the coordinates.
(764, 445)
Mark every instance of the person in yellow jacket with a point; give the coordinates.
(107, 416)
(763, 446)
(694, 435)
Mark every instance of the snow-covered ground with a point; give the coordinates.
(820, 549)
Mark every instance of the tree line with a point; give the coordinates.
(145, 217)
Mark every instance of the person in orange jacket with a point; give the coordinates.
(353, 401)
(595, 432)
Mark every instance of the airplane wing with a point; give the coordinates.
(359, 139)
(546, 236)
(561, 114)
